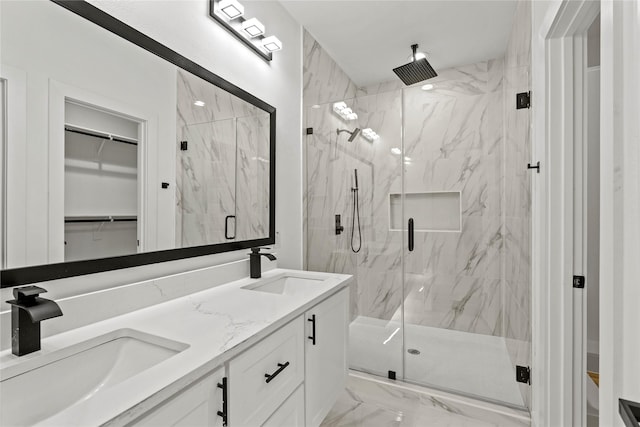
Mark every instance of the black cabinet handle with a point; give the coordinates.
(411, 244)
(281, 367)
(226, 227)
(223, 413)
(313, 329)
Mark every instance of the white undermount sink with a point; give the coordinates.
(284, 285)
(43, 386)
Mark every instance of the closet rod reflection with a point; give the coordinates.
(101, 136)
(100, 219)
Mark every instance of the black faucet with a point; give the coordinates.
(27, 311)
(254, 262)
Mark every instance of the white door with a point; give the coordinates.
(325, 355)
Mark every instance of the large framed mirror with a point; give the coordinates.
(119, 152)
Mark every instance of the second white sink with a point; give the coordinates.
(43, 386)
(286, 285)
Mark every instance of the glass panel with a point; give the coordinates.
(456, 297)
(206, 191)
(367, 248)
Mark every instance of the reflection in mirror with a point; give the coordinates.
(92, 169)
(222, 166)
(100, 184)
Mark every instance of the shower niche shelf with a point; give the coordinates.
(431, 211)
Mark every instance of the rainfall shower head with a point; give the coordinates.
(416, 70)
(353, 134)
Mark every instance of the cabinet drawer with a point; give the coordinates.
(291, 413)
(278, 359)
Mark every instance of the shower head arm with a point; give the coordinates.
(414, 49)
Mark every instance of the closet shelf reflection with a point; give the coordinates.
(100, 218)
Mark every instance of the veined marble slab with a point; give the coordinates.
(216, 324)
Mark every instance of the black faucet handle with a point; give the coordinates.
(27, 292)
(256, 250)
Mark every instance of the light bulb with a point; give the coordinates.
(232, 9)
(252, 27)
(271, 43)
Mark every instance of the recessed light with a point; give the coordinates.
(199, 104)
(252, 27)
(316, 106)
(407, 159)
(370, 135)
(419, 55)
(396, 150)
(428, 86)
(232, 9)
(271, 43)
(339, 106)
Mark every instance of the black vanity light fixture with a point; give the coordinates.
(230, 15)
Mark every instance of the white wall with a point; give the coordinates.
(185, 27)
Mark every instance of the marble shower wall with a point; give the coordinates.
(453, 136)
(517, 196)
(225, 170)
(324, 80)
(466, 136)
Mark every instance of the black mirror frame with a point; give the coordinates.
(42, 273)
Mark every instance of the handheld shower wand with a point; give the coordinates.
(356, 213)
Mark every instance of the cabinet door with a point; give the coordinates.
(291, 413)
(261, 378)
(326, 359)
(197, 405)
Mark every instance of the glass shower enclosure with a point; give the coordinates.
(438, 240)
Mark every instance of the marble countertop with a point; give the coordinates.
(216, 324)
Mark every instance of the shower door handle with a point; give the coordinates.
(411, 243)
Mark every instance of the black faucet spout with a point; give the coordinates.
(27, 311)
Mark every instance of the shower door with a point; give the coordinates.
(458, 309)
(367, 248)
(440, 290)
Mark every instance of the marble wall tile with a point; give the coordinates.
(252, 177)
(207, 185)
(324, 80)
(225, 170)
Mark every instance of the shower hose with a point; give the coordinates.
(356, 213)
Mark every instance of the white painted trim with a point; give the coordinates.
(15, 168)
(147, 153)
(619, 207)
(554, 27)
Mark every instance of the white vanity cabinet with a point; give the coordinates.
(197, 405)
(290, 378)
(325, 355)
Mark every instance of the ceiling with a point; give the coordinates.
(370, 38)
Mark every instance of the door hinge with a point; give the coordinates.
(523, 374)
(523, 100)
(578, 282)
(183, 145)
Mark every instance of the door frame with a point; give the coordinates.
(556, 391)
(559, 62)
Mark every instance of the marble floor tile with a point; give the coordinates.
(368, 401)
